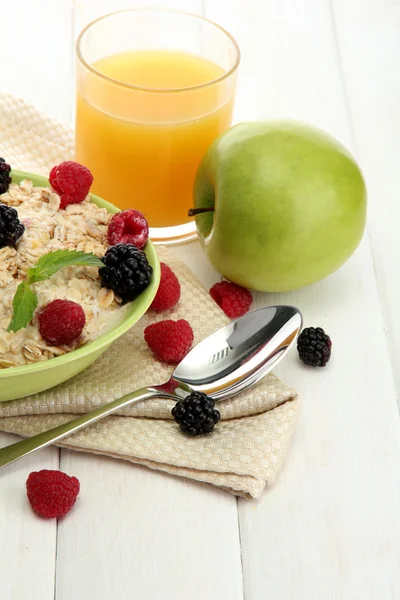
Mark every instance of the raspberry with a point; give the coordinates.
(128, 227)
(169, 340)
(71, 181)
(169, 290)
(61, 322)
(234, 300)
(51, 493)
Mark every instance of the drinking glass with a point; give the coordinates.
(155, 87)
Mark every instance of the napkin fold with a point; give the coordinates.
(249, 444)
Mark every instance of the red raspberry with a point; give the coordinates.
(128, 227)
(61, 322)
(234, 300)
(71, 181)
(51, 493)
(169, 340)
(169, 290)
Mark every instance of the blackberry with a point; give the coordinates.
(11, 229)
(196, 414)
(314, 347)
(5, 178)
(127, 271)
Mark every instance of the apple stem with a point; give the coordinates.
(192, 212)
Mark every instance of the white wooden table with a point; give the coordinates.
(329, 529)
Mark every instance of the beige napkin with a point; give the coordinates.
(248, 446)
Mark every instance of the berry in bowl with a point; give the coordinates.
(75, 274)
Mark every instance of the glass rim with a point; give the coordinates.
(117, 82)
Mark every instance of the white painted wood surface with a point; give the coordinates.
(329, 528)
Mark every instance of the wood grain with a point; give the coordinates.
(32, 69)
(137, 533)
(328, 528)
(27, 542)
(368, 36)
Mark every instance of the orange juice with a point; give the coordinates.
(144, 137)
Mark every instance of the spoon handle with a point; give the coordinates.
(15, 451)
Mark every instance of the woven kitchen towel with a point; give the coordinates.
(248, 446)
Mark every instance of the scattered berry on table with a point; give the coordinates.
(61, 322)
(5, 178)
(126, 271)
(314, 347)
(196, 414)
(169, 290)
(11, 229)
(234, 300)
(169, 340)
(51, 493)
(128, 227)
(71, 181)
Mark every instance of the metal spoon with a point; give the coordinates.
(222, 365)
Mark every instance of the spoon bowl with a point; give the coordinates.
(239, 354)
(225, 363)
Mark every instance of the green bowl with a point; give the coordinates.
(17, 382)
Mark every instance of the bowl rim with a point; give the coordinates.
(106, 338)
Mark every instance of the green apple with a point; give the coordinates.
(286, 205)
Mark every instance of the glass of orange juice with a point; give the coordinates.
(155, 87)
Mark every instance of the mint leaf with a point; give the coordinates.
(24, 305)
(25, 300)
(50, 263)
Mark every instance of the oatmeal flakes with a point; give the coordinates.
(26, 185)
(31, 353)
(105, 297)
(80, 227)
(4, 364)
(3, 346)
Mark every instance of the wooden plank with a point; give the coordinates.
(37, 48)
(328, 528)
(286, 65)
(368, 33)
(30, 68)
(138, 533)
(28, 543)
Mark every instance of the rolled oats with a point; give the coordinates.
(31, 353)
(4, 347)
(78, 227)
(5, 364)
(105, 297)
